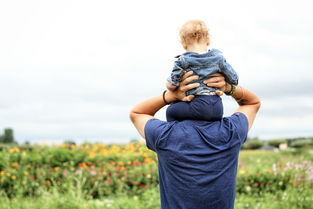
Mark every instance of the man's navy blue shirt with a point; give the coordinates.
(197, 160)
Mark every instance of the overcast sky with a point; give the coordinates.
(74, 69)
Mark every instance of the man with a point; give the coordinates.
(197, 159)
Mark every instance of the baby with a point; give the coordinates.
(194, 37)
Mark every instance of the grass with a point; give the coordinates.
(288, 199)
(75, 200)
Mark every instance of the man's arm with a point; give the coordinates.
(146, 110)
(249, 103)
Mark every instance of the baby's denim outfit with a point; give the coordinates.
(206, 105)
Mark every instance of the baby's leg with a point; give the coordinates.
(179, 111)
(209, 108)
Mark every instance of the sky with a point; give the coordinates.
(72, 69)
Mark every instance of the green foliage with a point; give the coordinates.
(302, 143)
(134, 141)
(253, 144)
(276, 142)
(7, 137)
(125, 176)
(100, 171)
(291, 198)
(69, 142)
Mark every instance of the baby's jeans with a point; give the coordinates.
(202, 107)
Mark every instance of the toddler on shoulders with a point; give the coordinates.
(194, 37)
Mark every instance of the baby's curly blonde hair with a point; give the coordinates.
(194, 31)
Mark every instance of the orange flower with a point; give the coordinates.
(82, 165)
(15, 164)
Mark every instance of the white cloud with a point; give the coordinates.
(74, 69)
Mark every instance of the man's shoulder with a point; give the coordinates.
(237, 119)
(156, 126)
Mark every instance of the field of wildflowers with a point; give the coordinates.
(121, 176)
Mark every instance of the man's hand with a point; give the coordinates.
(217, 80)
(185, 85)
(170, 86)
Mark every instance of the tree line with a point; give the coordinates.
(300, 142)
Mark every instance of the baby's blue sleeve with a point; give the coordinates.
(177, 73)
(230, 74)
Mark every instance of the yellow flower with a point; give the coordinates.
(13, 177)
(26, 173)
(92, 154)
(1, 173)
(248, 189)
(242, 171)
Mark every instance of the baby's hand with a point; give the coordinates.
(170, 87)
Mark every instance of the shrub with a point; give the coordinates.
(252, 144)
(302, 143)
(276, 142)
(104, 170)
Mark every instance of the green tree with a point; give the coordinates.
(8, 136)
(134, 141)
(69, 142)
(276, 142)
(302, 143)
(253, 143)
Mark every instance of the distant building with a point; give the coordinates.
(283, 146)
(268, 148)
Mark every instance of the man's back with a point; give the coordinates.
(197, 160)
